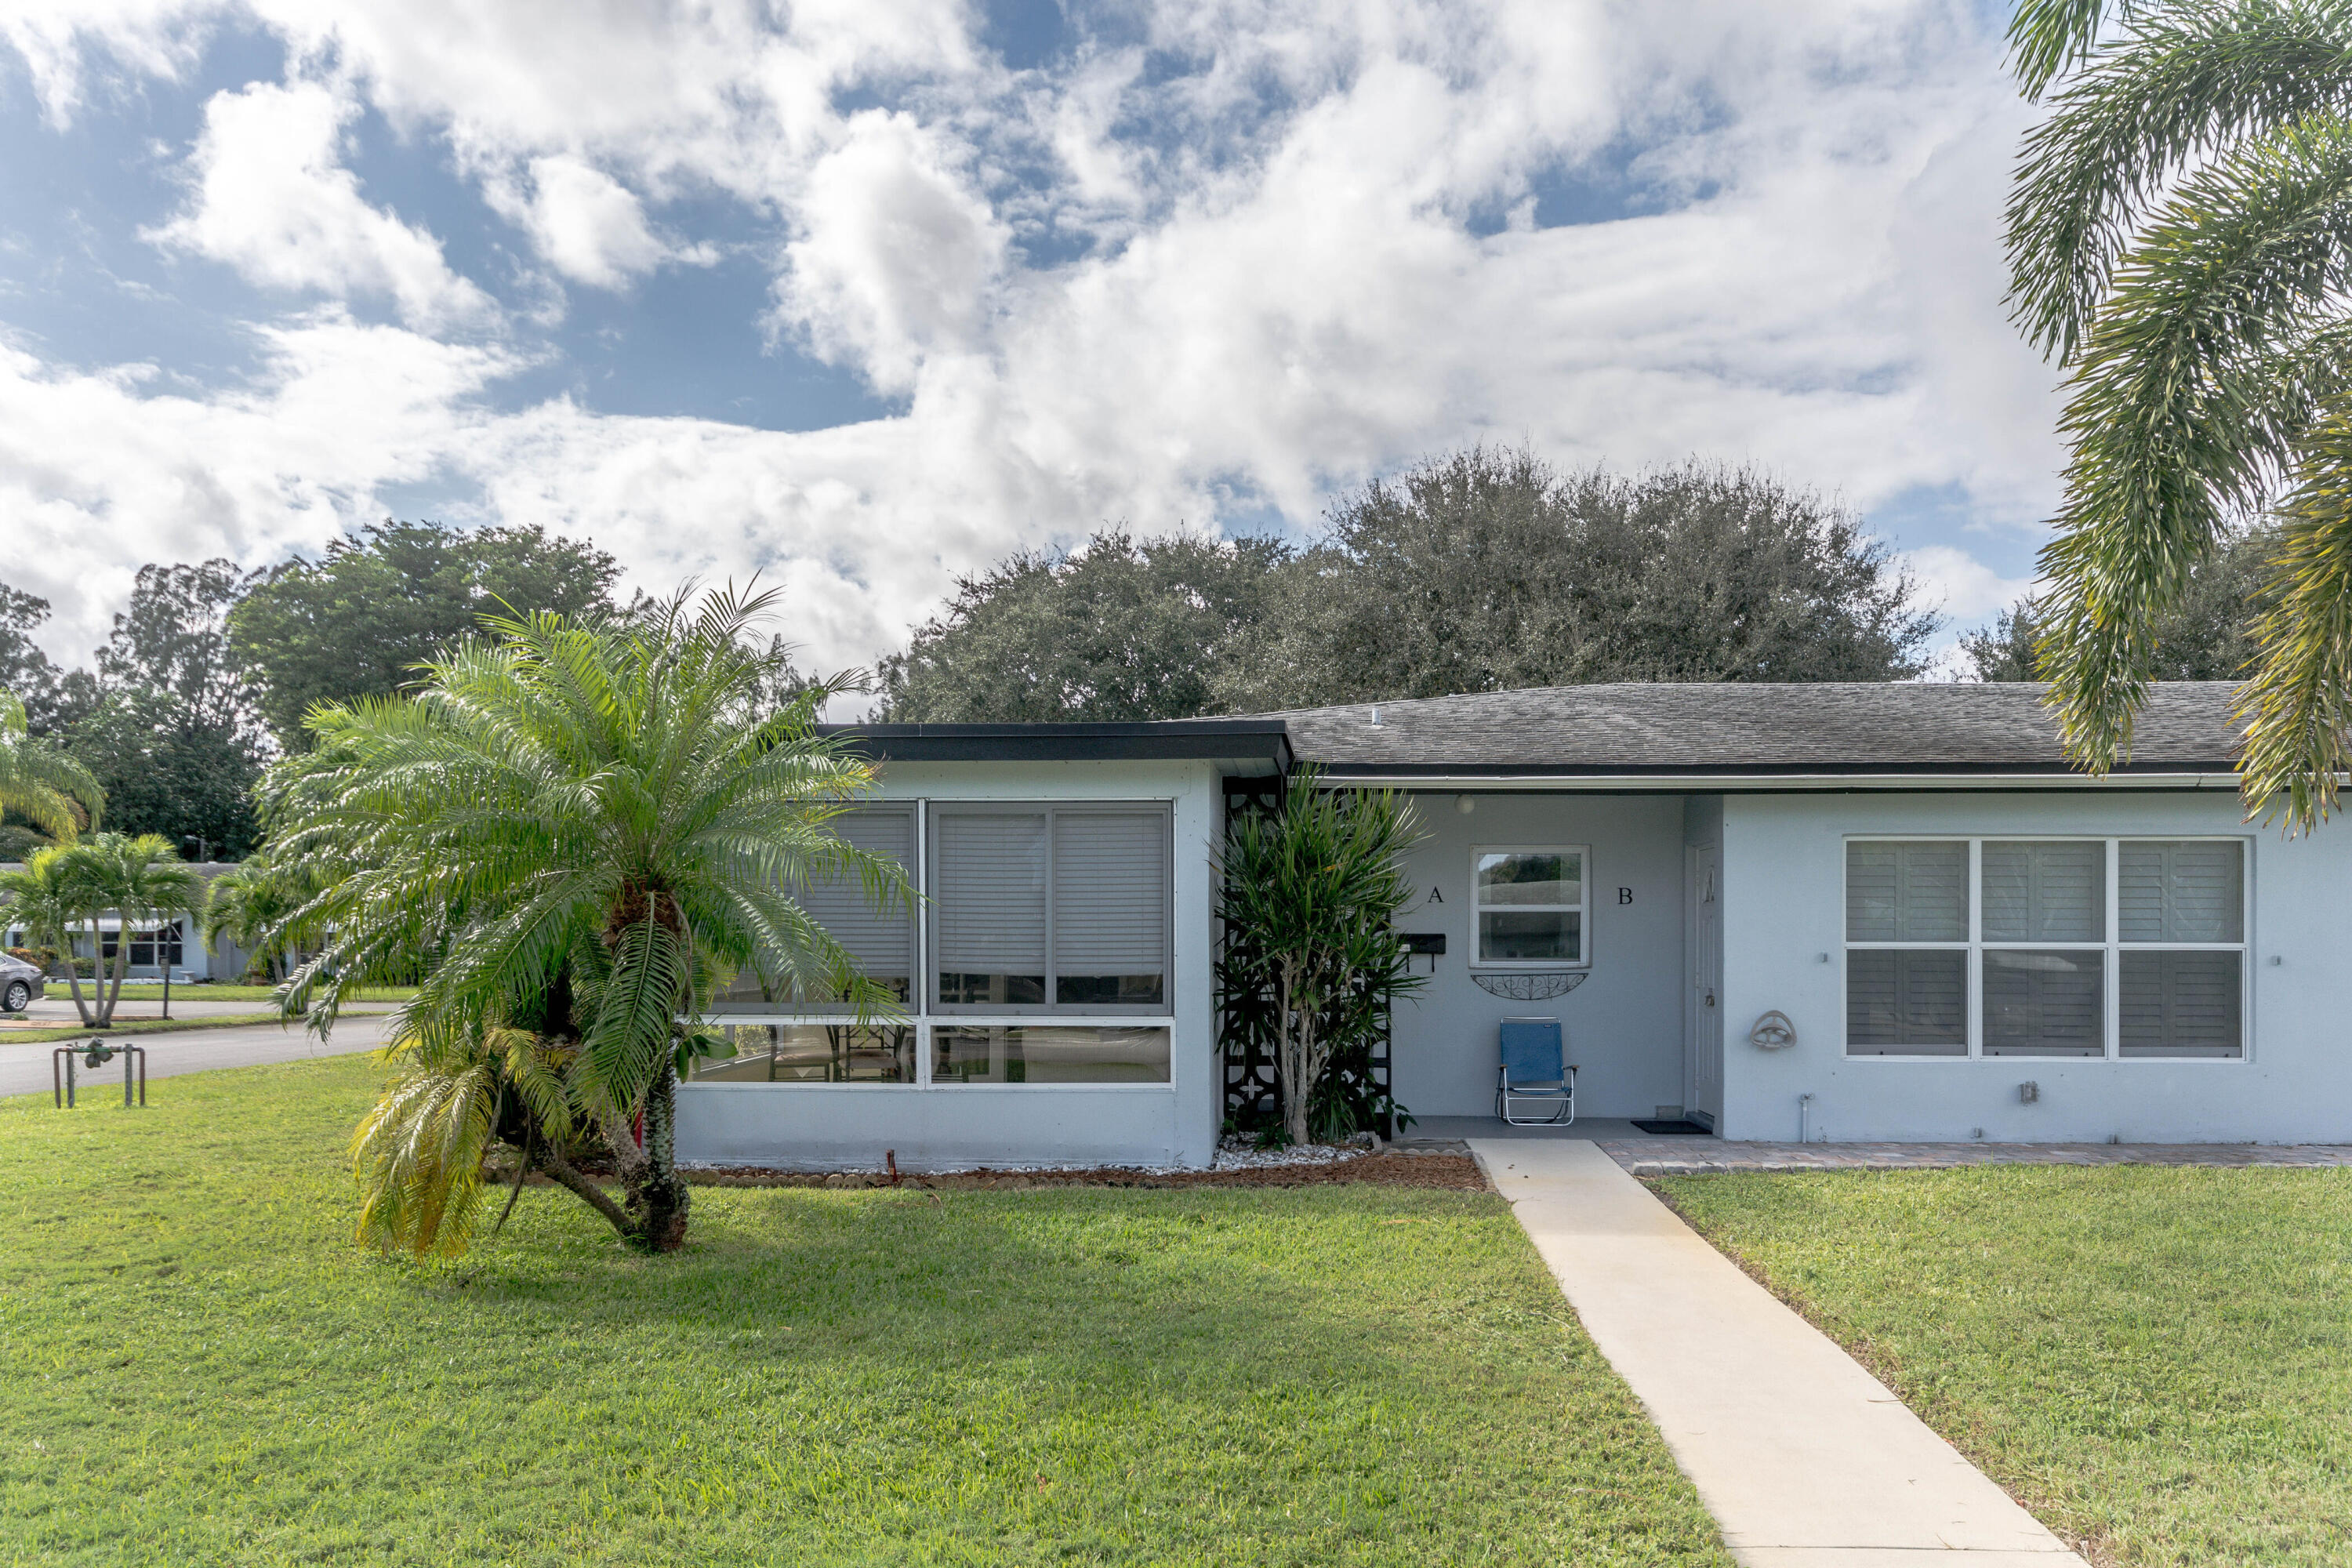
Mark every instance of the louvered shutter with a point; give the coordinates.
(1907, 892)
(2182, 890)
(1110, 905)
(2045, 892)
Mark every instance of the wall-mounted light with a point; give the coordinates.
(1465, 803)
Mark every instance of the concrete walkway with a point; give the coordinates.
(1805, 1459)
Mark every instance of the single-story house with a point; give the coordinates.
(1871, 911)
(175, 945)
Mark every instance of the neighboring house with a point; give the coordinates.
(151, 949)
(1970, 939)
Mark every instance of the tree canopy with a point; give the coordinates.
(1123, 630)
(172, 734)
(2208, 633)
(1488, 569)
(1475, 572)
(357, 621)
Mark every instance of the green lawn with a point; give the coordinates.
(198, 1368)
(153, 991)
(2156, 1361)
(151, 1027)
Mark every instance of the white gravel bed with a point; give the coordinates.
(1240, 1154)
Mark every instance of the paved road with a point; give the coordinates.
(57, 1008)
(25, 1069)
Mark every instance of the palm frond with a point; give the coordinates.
(2183, 82)
(2298, 707)
(2183, 415)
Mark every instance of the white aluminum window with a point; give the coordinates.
(1528, 906)
(1050, 908)
(2123, 949)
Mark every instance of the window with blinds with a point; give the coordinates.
(2046, 947)
(1907, 993)
(881, 941)
(1051, 907)
(2182, 920)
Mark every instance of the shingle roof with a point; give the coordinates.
(1636, 729)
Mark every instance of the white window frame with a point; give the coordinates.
(924, 1014)
(1583, 909)
(2114, 947)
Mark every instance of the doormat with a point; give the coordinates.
(1657, 1129)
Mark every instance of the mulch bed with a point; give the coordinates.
(1452, 1173)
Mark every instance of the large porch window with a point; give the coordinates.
(2100, 948)
(1041, 956)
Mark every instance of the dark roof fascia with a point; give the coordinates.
(1668, 771)
(1194, 739)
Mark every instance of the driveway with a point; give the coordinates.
(25, 1069)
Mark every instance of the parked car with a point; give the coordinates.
(19, 984)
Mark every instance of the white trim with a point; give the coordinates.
(1582, 909)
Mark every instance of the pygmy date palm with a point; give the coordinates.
(2181, 238)
(579, 828)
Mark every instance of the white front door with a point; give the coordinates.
(1704, 1009)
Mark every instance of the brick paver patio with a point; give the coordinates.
(1694, 1156)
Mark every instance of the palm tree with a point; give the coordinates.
(2180, 239)
(585, 826)
(252, 909)
(142, 883)
(39, 782)
(53, 908)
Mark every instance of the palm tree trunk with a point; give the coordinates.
(73, 976)
(113, 996)
(663, 1196)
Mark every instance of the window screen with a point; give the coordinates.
(2053, 891)
(2185, 1002)
(1907, 892)
(882, 941)
(2181, 1004)
(1906, 1002)
(2183, 890)
(1054, 907)
(991, 896)
(2045, 1002)
(1111, 907)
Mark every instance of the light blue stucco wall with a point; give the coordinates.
(848, 1126)
(1623, 1022)
(1783, 870)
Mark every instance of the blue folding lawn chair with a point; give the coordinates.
(1535, 1071)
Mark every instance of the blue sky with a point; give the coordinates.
(862, 296)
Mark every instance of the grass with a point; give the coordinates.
(153, 1026)
(2156, 1361)
(200, 1368)
(138, 991)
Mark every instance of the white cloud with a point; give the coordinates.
(1284, 294)
(98, 473)
(273, 200)
(896, 254)
(588, 226)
